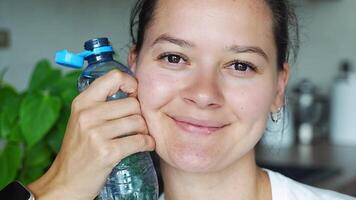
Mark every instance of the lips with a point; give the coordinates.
(191, 125)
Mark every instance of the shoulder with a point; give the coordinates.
(284, 188)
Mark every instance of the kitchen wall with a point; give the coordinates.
(39, 27)
(328, 35)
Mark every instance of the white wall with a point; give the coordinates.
(328, 35)
(41, 27)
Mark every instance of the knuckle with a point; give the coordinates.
(83, 118)
(134, 82)
(75, 104)
(143, 141)
(141, 123)
(116, 74)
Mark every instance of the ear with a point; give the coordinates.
(132, 59)
(282, 82)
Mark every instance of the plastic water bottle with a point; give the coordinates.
(134, 178)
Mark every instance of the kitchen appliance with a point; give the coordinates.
(343, 107)
(309, 112)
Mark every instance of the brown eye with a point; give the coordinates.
(174, 59)
(241, 66)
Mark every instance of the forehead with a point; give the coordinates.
(243, 13)
(246, 22)
(256, 6)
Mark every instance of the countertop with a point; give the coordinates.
(342, 159)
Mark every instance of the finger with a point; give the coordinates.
(123, 147)
(130, 125)
(106, 111)
(108, 85)
(111, 110)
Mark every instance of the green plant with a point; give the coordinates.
(33, 122)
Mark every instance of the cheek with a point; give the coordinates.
(251, 101)
(249, 104)
(154, 89)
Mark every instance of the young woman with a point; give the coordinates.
(208, 76)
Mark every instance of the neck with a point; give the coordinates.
(242, 180)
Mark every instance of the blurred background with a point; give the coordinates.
(315, 144)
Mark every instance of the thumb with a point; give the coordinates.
(109, 84)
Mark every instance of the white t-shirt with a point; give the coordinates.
(284, 188)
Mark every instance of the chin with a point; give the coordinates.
(191, 158)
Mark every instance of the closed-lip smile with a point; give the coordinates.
(192, 125)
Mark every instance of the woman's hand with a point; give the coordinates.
(99, 134)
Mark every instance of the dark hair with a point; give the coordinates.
(285, 26)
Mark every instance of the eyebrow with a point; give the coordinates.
(234, 48)
(248, 49)
(177, 41)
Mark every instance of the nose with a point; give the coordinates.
(203, 91)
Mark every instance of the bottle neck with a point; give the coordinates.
(102, 57)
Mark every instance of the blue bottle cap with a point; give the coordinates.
(73, 60)
(69, 59)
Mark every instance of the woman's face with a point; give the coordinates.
(207, 80)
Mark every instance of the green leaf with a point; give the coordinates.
(16, 134)
(7, 94)
(10, 102)
(38, 156)
(5, 125)
(38, 113)
(37, 117)
(10, 162)
(55, 137)
(66, 87)
(37, 160)
(43, 76)
(31, 174)
(68, 96)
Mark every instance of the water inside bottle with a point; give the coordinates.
(132, 179)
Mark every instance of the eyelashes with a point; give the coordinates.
(173, 58)
(236, 65)
(242, 66)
